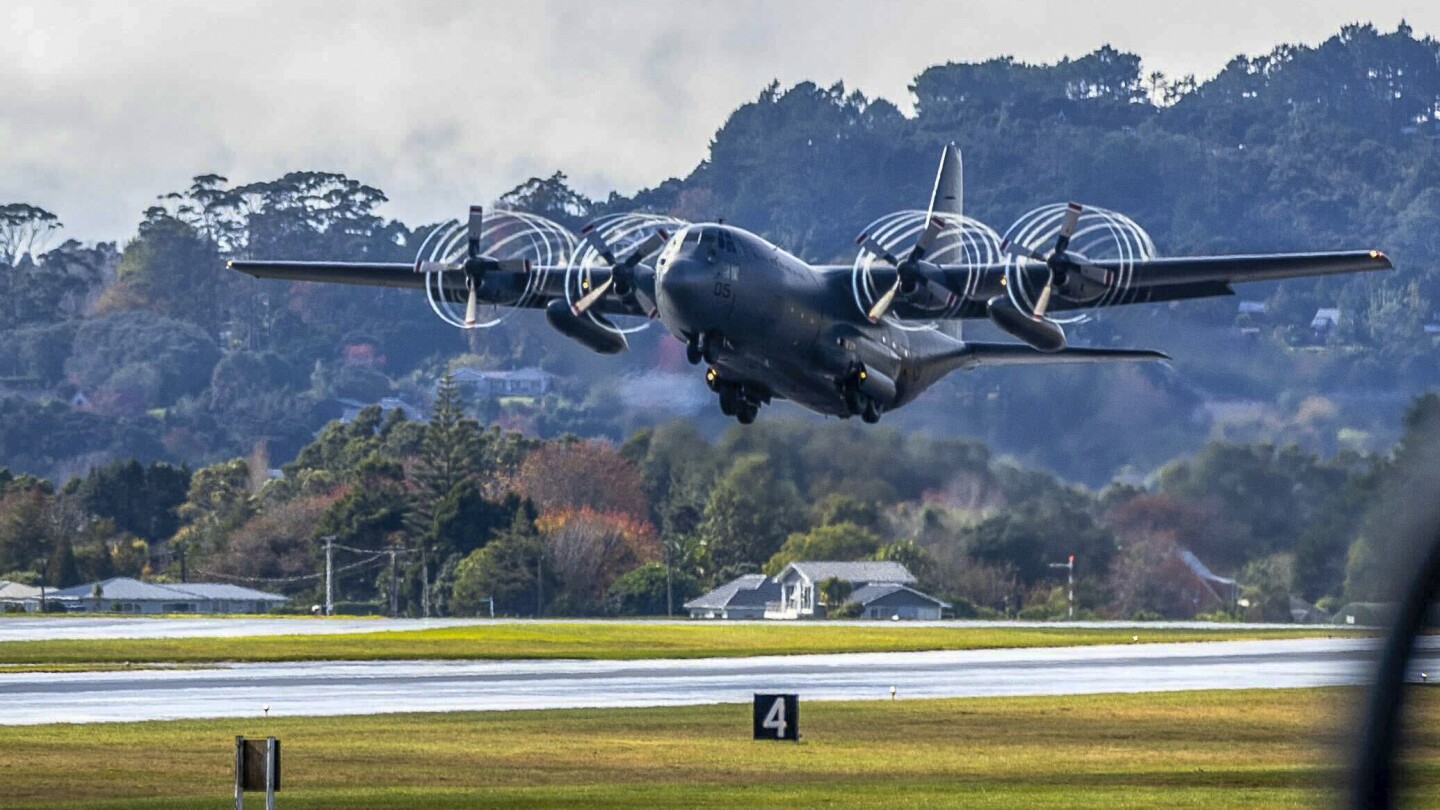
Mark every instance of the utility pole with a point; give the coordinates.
(394, 587)
(329, 574)
(424, 579)
(1069, 567)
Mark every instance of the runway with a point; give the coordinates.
(31, 628)
(336, 688)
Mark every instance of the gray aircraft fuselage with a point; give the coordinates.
(778, 326)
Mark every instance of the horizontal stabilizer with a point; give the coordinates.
(1018, 354)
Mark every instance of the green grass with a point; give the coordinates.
(1253, 749)
(609, 640)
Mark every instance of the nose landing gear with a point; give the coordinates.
(704, 346)
(736, 399)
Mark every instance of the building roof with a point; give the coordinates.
(225, 590)
(867, 571)
(133, 590)
(871, 593)
(124, 588)
(750, 590)
(18, 590)
(1200, 570)
(476, 375)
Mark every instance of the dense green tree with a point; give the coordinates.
(843, 541)
(649, 591)
(749, 513)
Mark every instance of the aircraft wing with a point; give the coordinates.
(1179, 278)
(500, 287)
(375, 274)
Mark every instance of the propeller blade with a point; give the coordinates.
(438, 267)
(472, 303)
(652, 243)
(1099, 275)
(1021, 252)
(1044, 302)
(1067, 226)
(883, 305)
(477, 217)
(594, 295)
(596, 241)
(1072, 218)
(934, 226)
(868, 242)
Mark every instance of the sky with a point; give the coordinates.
(106, 105)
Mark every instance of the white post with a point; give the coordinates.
(1070, 581)
(239, 773)
(270, 773)
(1069, 567)
(329, 575)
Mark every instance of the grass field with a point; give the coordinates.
(1250, 749)
(609, 640)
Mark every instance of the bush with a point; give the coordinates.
(641, 591)
(849, 610)
(357, 609)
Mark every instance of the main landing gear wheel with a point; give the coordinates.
(747, 413)
(871, 411)
(693, 354)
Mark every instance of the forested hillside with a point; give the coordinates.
(1304, 148)
(145, 359)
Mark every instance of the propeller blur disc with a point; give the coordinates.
(503, 235)
(962, 241)
(619, 234)
(1096, 234)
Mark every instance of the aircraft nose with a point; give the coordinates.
(684, 293)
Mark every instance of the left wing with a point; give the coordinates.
(498, 287)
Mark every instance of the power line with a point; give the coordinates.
(300, 577)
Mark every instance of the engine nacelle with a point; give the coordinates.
(876, 385)
(589, 330)
(1041, 333)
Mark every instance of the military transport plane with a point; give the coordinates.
(844, 340)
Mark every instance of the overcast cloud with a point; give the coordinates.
(104, 105)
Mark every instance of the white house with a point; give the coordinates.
(800, 596)
(17, 595)
(525, 382)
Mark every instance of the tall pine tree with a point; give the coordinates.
(449, 455)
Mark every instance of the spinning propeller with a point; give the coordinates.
(622, 271)
(1060, 262)
(913, 271)
(509, 253)
(475, 265)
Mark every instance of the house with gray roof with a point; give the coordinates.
(742, 598)
(892, 600)
(883, 590)
(19, 595)
(800, 596)
(126, 595)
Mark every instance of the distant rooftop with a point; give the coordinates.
(867, 571)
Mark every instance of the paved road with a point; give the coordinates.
(331, 688)
(29, 628)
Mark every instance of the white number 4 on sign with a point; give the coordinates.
(777, 717)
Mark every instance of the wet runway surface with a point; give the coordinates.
(334, 688)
